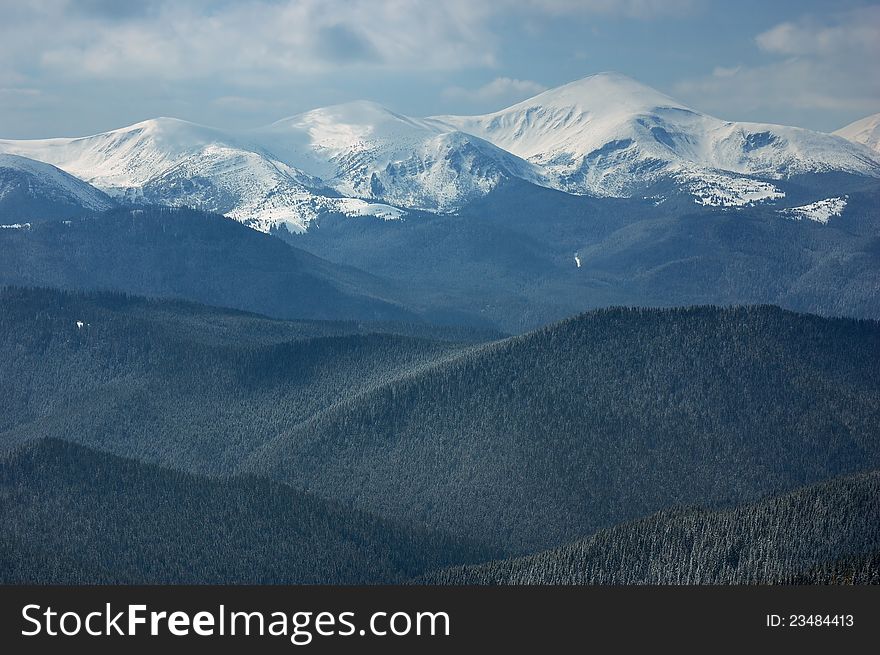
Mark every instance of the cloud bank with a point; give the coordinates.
(815, 64)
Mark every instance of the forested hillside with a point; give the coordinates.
(795, 538)
(538, 440)
(181, 253)
(72, 515)
(525, 256)
(524, 443)
(189, 386)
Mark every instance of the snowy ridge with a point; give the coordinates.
(46, 182)
(865, 132)
(604, 135)
(177, 163)
(357, 159)
(364, 150)
(609, 135)
(121, 160)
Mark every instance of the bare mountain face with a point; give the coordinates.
(605, 135)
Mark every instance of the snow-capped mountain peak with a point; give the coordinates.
(865, 131)
(610, 135)
(365, 150)
(125, 158)
(574, 118)
(358, 158)
(606, 134)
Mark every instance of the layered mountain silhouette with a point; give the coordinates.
(598, 337)
(522, 443)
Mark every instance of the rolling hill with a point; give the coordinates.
(522, 444)
(537, 440)
(186, 386)
(182, 253)
(798, 537)
(72, 515)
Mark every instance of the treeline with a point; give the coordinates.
(509, 256)
(72, 515)
(798, 538)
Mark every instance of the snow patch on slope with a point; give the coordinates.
(357, 207)
(722, 190)
(821, 211)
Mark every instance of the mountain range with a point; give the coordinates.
(601, 192)
(595, 337)
(218, 444)
(605, 135)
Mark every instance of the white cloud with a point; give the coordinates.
(21, 98)
(253, 40)
(814, 66)
(177, 40)
(501, 90)
(640, 9)
(857, 31)
(245, 105)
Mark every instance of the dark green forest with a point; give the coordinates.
(72, 515)
(184, 385)
(797, 538)
(538, 440)
(497, 445)
(183, 253)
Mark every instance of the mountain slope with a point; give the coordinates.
(609, 135)
(72, 515)
(182, 164)
(326, 160)
(188, 254)
(540, 439)
(510, 257)
(364, 150)
(184, 385)
(792, 537)
(526, 443)
(865, 131)
(32, 190)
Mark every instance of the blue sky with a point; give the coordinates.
(74, 67)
